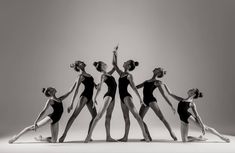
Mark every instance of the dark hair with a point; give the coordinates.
(133, 64)
(46, 92)
(75, 66)
(162, 72)
(98, 65)
(198, 94)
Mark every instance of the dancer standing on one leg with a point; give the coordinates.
(85, 98)
(53, 118)
(150, 101)
(126, 99)
(186, 117)
(109, 99)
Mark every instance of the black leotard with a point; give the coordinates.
(57, 111)
(112, 86)
(89, 87)
(122, 85)
(148, 92)
(183, 111)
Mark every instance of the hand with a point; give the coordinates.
(116, 48)
(70, 108)
(142, 103)
(115, 52)
(35, 126)
(94, 103)
(173, 109)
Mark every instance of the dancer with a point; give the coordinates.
(126, 99)
(85, 98)
(109, 99)
(53, 118)
(186, 117)
(150, 101)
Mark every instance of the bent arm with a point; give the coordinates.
(172, 95)
(140, 85)
(43, 111)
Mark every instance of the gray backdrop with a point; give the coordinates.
(192, 40)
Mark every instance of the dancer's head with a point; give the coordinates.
(159, 72)
(100, 66)
(130, 65)
(78, 65)
(195, 92)
(49, 92)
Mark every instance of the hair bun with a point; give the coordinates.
(200, 94)
(136, 63)
(43, 90)
(95, 64)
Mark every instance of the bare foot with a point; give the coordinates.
(173, 137)
(39, 138)
(110, 140)
(225, 139)
(87, 140)
(122, 139)
(12, 140)
(62, 138)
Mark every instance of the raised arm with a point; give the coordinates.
(198, 118)
(78, 82)
(172, 95)
(140, 85)
(132, 84)
(115, 63)
(111, 71)
(42, 113)
(68, 93)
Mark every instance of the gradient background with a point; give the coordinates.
(193, 40)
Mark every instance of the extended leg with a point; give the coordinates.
(126, 116)
(76, 112)
(142, 112)
(158, 112)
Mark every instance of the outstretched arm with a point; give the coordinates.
(42, 112)
(132, 84)
(172, 95)
(140, 85)
(78, 82)
(68, 93)
(198, 118)
(165, 97)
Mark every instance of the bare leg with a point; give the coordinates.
(107, 121)
(126, 116)
(142, 112)
(93, 113)
(131, 107)
(208, 129)
(184, 131)
(158, 112)
(79, 107)
(31, 128)
(98, 117)
(54, 134)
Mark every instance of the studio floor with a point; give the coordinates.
(161, 143)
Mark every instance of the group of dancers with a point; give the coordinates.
(127, 105)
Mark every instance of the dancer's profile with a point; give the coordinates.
(53, 118)
(126, 99)
(187, 118)
(148, 87)
(109, 99)
(85, 98)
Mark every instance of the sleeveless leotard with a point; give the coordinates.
(123, 84)
(112, 86)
